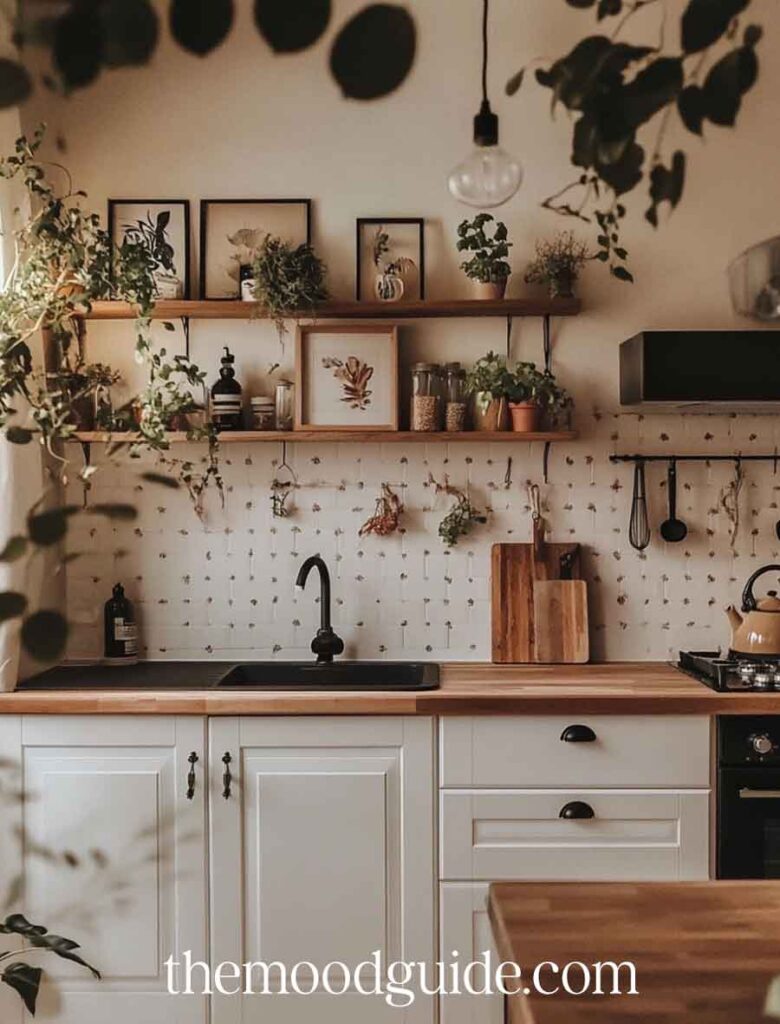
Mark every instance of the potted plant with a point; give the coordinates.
(557, 264)
(389, 286)
(488, 268)
(489, 382)
(288, 280)
(533, 394)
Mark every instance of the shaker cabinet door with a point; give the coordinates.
(113, 857)
(321, 851)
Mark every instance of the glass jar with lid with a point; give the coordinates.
(284, 393)
(454, 397)
(426, 397)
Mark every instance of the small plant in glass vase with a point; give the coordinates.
(557, 264)
(488, 268)
(536, 399)
(152, 233)
(390, 284)
(489, 382)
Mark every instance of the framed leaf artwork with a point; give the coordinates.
(347, 377)
(162, 226)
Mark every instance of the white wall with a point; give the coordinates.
(243, 123)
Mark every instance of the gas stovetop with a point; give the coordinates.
(733, 672)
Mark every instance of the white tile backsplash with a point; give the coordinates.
(225, 588)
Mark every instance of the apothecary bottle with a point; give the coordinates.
(426, 397)
(454, 397)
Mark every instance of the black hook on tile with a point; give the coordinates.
(547, 328)
(185, 326)
(508, 338)
(546, 462)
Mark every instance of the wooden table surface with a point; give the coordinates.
(705, 952)
(476, 688)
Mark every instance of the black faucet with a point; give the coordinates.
(325, 644)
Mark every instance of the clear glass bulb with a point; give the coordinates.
(487, 177)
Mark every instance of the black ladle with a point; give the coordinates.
(673, 529)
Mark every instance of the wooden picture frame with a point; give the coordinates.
(361, 223)
(208, 206)
(345, 401)
(141, 208)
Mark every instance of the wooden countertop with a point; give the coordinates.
(467, 688)
(704, 952)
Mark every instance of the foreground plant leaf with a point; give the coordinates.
(44, 635)
(374, 52)
(26, 980)
(201, 25)
(12, 605)
(15, 83)
(289, 26)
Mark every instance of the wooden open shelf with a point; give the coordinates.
(199, 309)
(348, 436)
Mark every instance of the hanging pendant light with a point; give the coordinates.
(488, 176)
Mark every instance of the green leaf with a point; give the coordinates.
(130, 32)
(652, 89)
(666, 185)
(705, 21)
(44, 635)
(726, 82)
(374, 52)
(168, 325)
(287, 31)
(753, 35)
(63, 948)
(17, 924)
(78, 46)
(26, 980)
(47, 528)
(161, 479)
(626, 173)
(622, 274)
(15, 83)
(690, 104)
(118, 510)
(609, 8)
(580, 3)
(201, 25)
(19, 435)
(514, 83)
(12, 605)
(14, 549)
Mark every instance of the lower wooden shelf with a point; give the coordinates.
(348, 436)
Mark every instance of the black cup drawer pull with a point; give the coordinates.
(192, 760)
(578, 734)
(577, 810)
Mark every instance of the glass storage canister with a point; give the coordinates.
(284, 404)
(455, 404)
(263, 413)
(426, 397)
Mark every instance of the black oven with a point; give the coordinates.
(748, 827)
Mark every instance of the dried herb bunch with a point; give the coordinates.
(557, 263)
(462, 516)
(387, 514)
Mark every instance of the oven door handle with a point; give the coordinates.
(759, 794)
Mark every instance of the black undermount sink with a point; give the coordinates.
(335, 675)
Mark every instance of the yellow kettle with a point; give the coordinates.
(756, 631)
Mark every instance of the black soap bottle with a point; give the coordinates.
(226, 396)
(121, 631)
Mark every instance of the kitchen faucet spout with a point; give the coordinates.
(326, 644)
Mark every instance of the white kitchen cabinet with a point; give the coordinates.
(108, 795)
(322, 851)
(465, 929)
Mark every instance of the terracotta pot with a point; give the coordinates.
(489, 289)
(492, 416)
(525, 417)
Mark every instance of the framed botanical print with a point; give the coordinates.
(163, 226)
(347, 377)
(233, 230)
(390, 259)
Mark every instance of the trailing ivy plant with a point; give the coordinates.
(64, 261)
(289, 280)
(618, 91)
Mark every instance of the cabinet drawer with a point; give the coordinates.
(526, 751)
(632, 835)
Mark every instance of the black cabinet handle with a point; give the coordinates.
(192, 760)
(577, 810)
(227, 778)
(578, 734)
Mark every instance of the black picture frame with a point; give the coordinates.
(361, 222)
(204, 210)
(114, 204)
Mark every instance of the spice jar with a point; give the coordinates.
(454, 397)
(284, 404)
(426, 397)
(263, 412)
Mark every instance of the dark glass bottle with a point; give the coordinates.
(226, 396)
(121, 631)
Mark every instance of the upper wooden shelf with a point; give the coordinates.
(201, 309)
(348, 436)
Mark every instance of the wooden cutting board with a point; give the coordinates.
(519, 635)
(561, 622)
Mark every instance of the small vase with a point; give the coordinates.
(491, 290)
(389, 288)
(490, 414)
(562, 287)
(525, 417)
(168, 286)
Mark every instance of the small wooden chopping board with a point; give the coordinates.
(561, 622)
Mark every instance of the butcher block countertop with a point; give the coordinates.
(466, 688)
(704, 952)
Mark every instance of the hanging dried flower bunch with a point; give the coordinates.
(462, 516)
(387, 514)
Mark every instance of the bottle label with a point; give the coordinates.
(127, 634)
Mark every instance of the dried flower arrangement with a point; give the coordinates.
(387, 514)
(462, 516)
(557, 263)
(354, 375)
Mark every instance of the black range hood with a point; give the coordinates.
(701, 371)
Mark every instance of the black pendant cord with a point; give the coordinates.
(485, 17)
